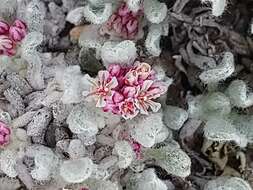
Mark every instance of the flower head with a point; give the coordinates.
(10, 36)
(123, 23)
(127, 91)
(5, 133)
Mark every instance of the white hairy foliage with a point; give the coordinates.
(174, 117)
(221, 130)
(238, 94)
(8, 161)
(152, 41)
(85, 119)
(171, 158)
(124, 150)
(77, 170)
(35, 15)
(227, 183)
(155, 11)
(212, 105)
(134, 5)
(145, 129)
(149, 181)
(70, 79)
(123, 53)
(46, 162)
(9, 183)
(221, 72)
(102, 185)
(98, 14)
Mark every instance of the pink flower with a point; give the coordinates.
(4, 27)
(145, 96)
(136, 148)
(124, 23)
(20, 24)
(6, 46)
(128, 109)
(102, 88)
(5, 133)
(18, 31)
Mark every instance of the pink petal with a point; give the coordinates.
(20, 24)
(4, 27)
(103, 77)
(113, 83)
(114, 69)
(155, 106)
(123, 10)
(146, 85)
(5, 43)
(17, 34)
(132, 26)
(101, 102)
(129, 91)
(117, 97)
(1, 139)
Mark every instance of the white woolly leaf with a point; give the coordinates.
(174, 160)
(152, 41)
(98, 14)
(218, 7)
(77, 170)
(145, 129)
(227, 183)
(123, 53)
(85, 119)
(35, 15)
(221, 72)
(94, 184)
(124, 150)
(218, 129)
(134, 5)
(8, 162)
(155, 11)
(149, 181)
(237, 92)
(46, 162)
(174, 117)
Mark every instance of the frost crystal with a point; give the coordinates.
(221, 72)
(124, 150)
(123, 53)
(77, 170)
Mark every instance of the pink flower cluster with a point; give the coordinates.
(10, 36)
(127, 91)
(124, 23)
(5, 133)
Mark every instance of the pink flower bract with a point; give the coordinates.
(127, 91)
(123, 23)
(5, 133)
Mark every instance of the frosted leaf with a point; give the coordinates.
(98, 14)
(94, 184)
(35, 15)
(70, 80)
(9, 183)
(123, 53)
(124, 150)
(76, 149)
(163, 134)
(146, 128)
(134, 5)
(237, 92)
(227, 183)
(8, 162)
(8, 9)
(221, 72)
(155, 11)
(218, 6)
(46, 162)
(174, 160)
(174, 117)
(87, 140)
(76, 171)
(5, 117)
(75, 16)
(212, 105)
(84, 119)
(149, 181)
(99, 173)
(30, 54)
(222, 130)
(152, 41)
